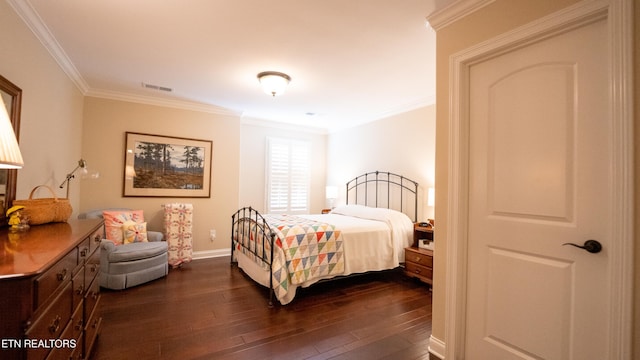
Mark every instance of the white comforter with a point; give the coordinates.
(374, 238)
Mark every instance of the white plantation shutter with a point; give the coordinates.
(299, 177)
(288, 168)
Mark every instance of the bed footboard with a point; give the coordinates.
(252, 235)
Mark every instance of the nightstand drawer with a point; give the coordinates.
(418, 258)
(415, 269)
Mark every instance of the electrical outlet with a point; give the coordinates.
(212, 234)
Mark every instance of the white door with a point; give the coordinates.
(539, 178)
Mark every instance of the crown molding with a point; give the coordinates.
(34, 22)
(420, 103)
(452, 13)
(407, 107)
(151, 100)
(245, 120)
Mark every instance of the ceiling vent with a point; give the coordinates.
(156, 87)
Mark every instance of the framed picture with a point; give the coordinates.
(166, 166)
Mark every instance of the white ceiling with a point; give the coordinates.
(351, 61)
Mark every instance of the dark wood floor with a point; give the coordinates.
(209, 310)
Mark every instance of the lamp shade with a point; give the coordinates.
(331, 192)
(273, 83)
(431, 197)
(10, 156)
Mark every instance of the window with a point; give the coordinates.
(288, 167)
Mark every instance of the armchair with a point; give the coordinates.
(128, 265)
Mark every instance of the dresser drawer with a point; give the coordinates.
(95, 239)
(91, 298)
(84, 250)
(92, 329)
(416, 257)
(69, 341)
(77, 323)
(77, 352)
(51, 323)
(91, 269)
(77, 284)
(418, 270)
(58, 275)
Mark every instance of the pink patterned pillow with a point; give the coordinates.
(114, 219)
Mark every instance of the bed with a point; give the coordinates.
(369, 233)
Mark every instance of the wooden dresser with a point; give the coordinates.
(50, 290)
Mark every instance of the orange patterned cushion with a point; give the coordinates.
(114, 219)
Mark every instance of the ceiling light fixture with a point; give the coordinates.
(273, 82)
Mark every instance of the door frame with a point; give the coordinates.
(619, 16)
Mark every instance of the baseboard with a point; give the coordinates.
(211, 254)
(436, 348)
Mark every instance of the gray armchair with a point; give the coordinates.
(128, 265)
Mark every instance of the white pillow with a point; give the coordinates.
(372, 213)
(349, 210)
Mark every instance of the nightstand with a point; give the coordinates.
(421, 232)
(419, 262)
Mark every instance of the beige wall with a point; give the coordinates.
(51, 121)
(105, 124)
(403, 144)
(254, 136)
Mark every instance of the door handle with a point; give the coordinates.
(592, 246)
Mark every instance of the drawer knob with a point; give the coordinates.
(417, 271)
(62, 276)
(97, 238)
(417, 259)
(80, 290)
(84, 252)
(55, 325)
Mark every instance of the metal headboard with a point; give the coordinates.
(384, 189)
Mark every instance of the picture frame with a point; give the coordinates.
(166, 166)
